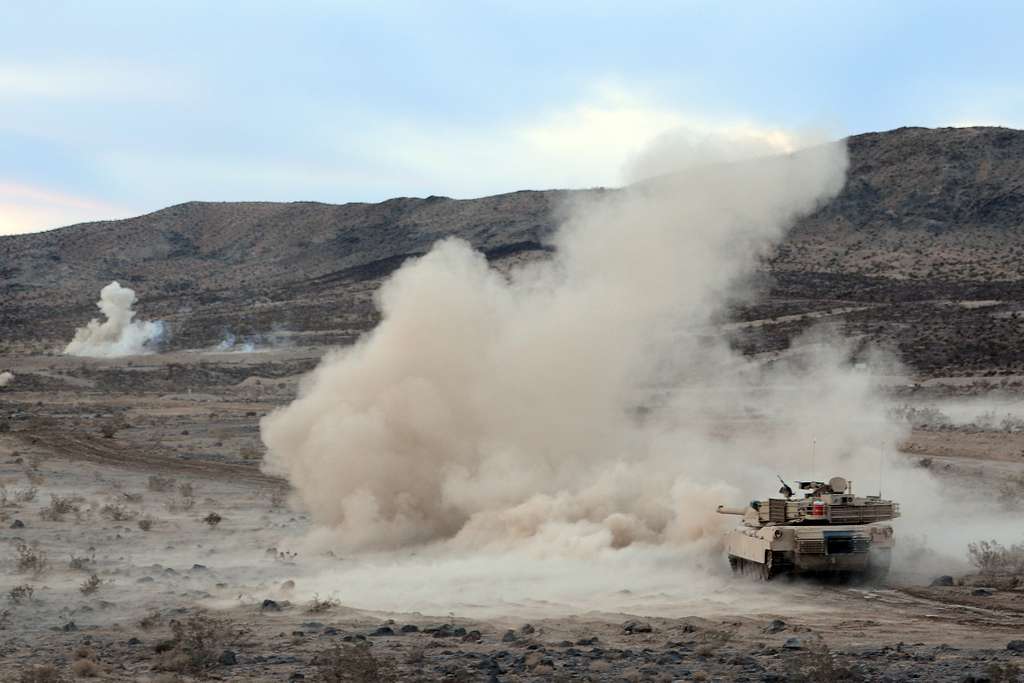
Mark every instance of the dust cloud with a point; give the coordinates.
(6, 378)
(586, 407)
(119, 334)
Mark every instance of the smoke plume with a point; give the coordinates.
(119, 334)
(582, 401)
(6, 378)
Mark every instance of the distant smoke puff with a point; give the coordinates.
(6, 378)
(119, 334)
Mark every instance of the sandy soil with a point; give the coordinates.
(178, 597)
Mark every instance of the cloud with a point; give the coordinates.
(95, 81)
(587, 143)
(27, 208)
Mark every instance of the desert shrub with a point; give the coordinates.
(90, 585)
(31, 560)
(197, 644)
(145, 523)
(59, 506)
(352, 663)
(117, 512)
(86, 668)
(150, 621)
(45, 673)
(180, 505)
(317, 606)
(278, 498)
(82, 564)
(991, 557)
(819, 664)
(159, 483)
(12, 498)
(21, 594)
(212, 519)
(109, 429)
(1003, 673)
(249, 452)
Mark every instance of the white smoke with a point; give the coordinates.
(230, 342)
(491, 409)
(6, 377)
(119, 334)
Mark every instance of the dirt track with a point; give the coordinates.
(199, 439)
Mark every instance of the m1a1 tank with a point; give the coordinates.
(828, 531)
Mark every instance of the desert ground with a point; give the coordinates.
(141, 542)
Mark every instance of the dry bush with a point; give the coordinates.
(150, 621)
(90, 585)
(59, 506)
(212, 519)
(21, 594)
(45, 673)
(146, 523)
(180, 505)
(117, 512)
(82, 564)
(317, 606)
(991, 557)
(1004, 673)
(31, 560)
(352, 664)
(278, 498)
(109, 429)
(159, 484)
(86, 668)
(197, 644)
(15, 496)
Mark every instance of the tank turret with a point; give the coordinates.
(828, 529)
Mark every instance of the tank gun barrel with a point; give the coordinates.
(726, 510)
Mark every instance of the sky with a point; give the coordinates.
(113, 109)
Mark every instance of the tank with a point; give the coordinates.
(827, 531)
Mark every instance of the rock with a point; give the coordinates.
(144, 579)
(793, 644)
(270, 606)
(199, 567)
(68, 627)
(384, 631)
(944, 580)
(776, 626)
(509, 637)
(1015, 646)
(409, 628)
(636, 627)
(296, 676)
(228, 658)
(458, 632)
(527, 629)
(134, 641)
(587, 641)
(330, 631)
(288, 585)
(17, 524)
(311, 624)
(164, 646)
(471, 637)
(982, 592)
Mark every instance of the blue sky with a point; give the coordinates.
(111, 109)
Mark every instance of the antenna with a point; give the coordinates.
(881, 458)
(814, 443)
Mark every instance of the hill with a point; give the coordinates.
(927, 217)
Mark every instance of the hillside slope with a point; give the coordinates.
(926, 216)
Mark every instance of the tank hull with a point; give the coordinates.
(857, 549)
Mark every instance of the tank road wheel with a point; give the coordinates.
(768, 570)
